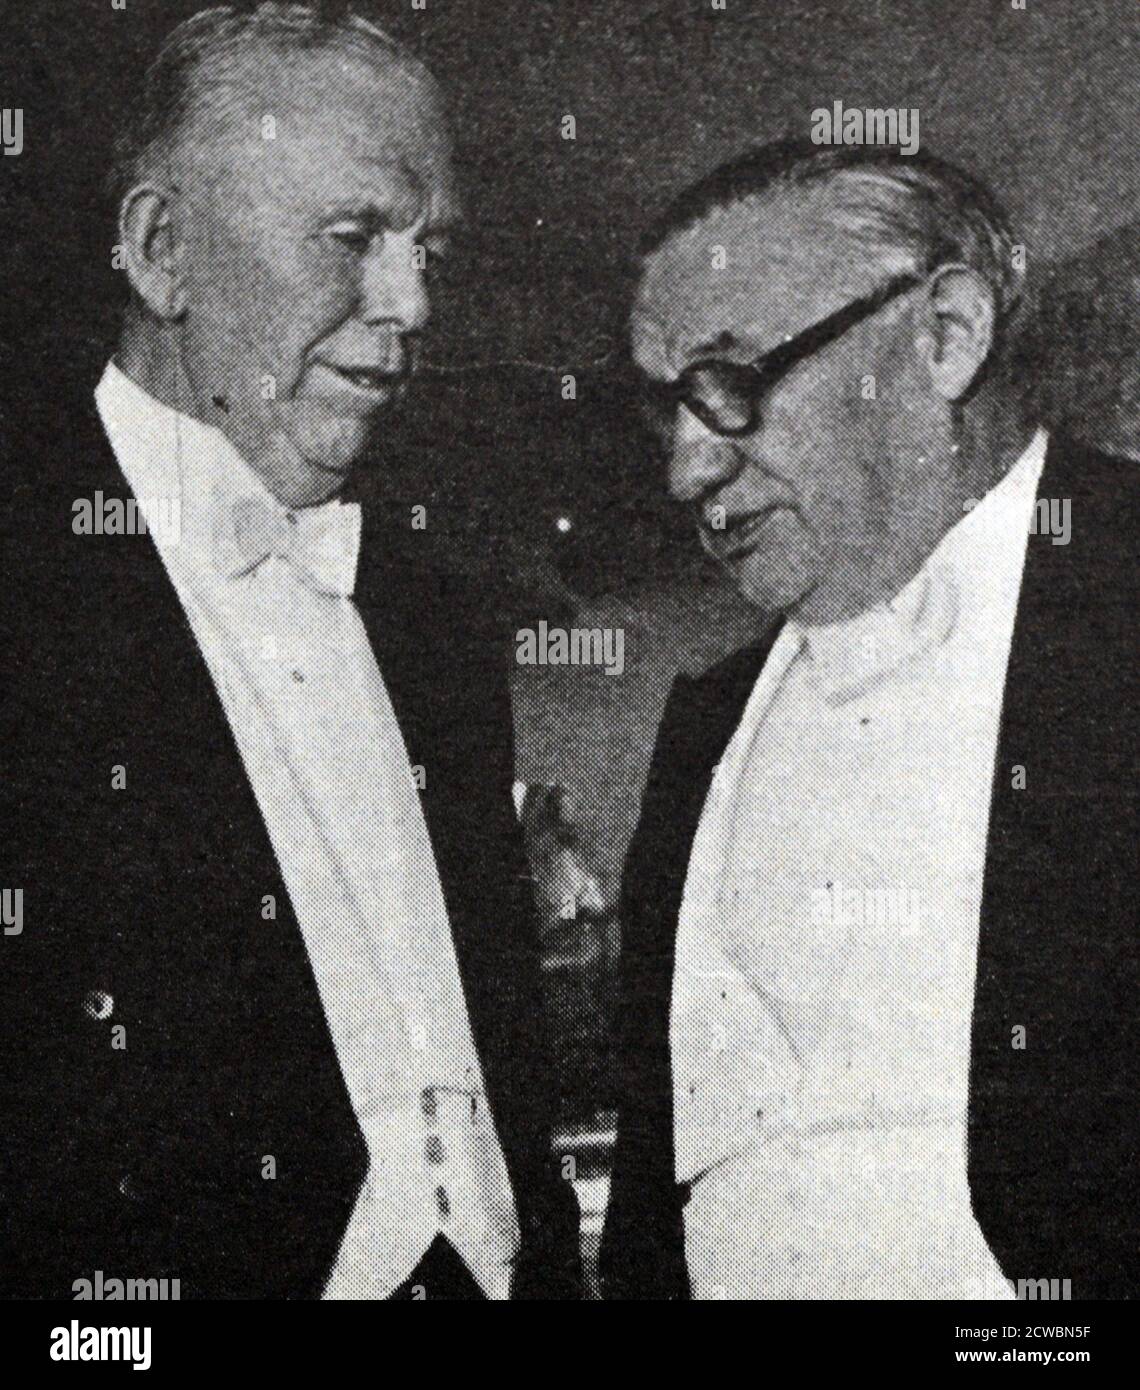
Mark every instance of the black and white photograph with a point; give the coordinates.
(569, 632)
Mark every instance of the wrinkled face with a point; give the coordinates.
(803, 510)
(308, 258)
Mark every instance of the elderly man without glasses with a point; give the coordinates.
(272, 1011)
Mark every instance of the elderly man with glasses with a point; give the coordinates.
(877, 979)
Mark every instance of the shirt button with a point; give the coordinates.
(98, 1004)
(442, 1202)
(427, 1102)
(434, 1149)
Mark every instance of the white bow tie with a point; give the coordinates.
(321, 543)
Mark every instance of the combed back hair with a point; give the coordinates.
(197, 64)
(913, 212)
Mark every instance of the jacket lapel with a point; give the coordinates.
(1055, 917)
(698, 723)
(1057, 726)
(643, 1248)
(184, 845)
(159, 698)
(700, 718)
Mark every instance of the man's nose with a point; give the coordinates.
(701, 460)
(394, 290)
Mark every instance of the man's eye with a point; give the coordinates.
(351, 236)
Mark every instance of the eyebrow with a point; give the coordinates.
(368, 210)
(723, 342)
(808, 340)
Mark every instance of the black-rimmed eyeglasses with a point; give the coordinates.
(726, 396)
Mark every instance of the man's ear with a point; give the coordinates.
(957, 320)
(153, 253)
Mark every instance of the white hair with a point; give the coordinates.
(911, 212)
(196, 67)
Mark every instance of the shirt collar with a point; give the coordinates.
(976, 563)
(177, 465)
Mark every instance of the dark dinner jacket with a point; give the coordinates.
(147, 1162)
(1053, 1165)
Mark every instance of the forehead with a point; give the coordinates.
(345, 128)
(746, 276)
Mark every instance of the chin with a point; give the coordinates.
(773, 590)
(334, 445)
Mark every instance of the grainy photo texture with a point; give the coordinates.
(569, 643)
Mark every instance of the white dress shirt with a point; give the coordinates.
(827, 942)
(290, 658)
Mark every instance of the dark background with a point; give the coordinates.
(1042, 102)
